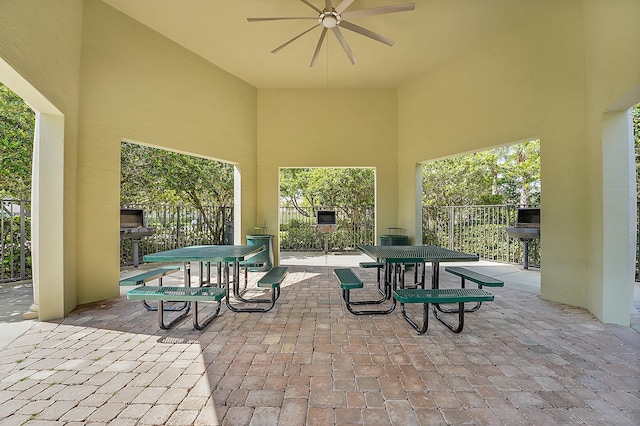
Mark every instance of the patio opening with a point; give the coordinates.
(468, 202)
(185, 200)
(347, 193)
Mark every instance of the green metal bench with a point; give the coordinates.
(145, 277)
(246, 264)
(272, 279)
(476, 277)
(348, 281)
(379, 267)
(155, 274)
(436, 296)
(180, 294)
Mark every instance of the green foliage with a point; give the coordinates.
(155, 176)
(150, 175)
(509, 175)
(461, 181)
(319, 187)
(355, 227)
(299, 234)
(349, 191)
(17, 124)
(10, 242)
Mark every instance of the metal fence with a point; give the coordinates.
(479, 230)
(356, 226)
(15, 240)
(474, 229)
(179, 226)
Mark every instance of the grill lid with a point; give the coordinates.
(528, 218)
(132, 218)
(133, 224)
(527, 226)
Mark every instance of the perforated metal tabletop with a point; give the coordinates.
(416, 254)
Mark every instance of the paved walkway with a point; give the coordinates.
(15, 300)
(520, 360)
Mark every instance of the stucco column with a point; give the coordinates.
(618, 219)
(47, 214)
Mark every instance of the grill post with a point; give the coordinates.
(526, 229)
(133, 226)
(134, 243)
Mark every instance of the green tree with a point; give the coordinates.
(521, 173)
(151, 175)
(465, 180)
(155, 176)
(17, 124)
(324, 187)
(504, 175)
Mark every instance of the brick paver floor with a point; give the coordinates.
(520, 360)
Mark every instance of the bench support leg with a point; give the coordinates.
(237, 293)
(384, 297)
(173, 322)
(425, 318)
(235, 288)
(460, 311)
(454, 310)
(199, 326)
(380, 289)
(148, 307)
(275, 293)
(167, 309)
(350, 304)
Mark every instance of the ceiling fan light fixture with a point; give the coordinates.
(329, 19)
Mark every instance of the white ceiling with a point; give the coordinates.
(435, 32)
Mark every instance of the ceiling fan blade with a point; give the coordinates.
(344, 44)
(318, 47)
(277, 49)
(342, 6)
(365, 32)
(278, 19)
(327, 5)
(311, 6)
(378, 10)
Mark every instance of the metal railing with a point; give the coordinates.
(298, 232)
(178, 226)
(15, 240)
(474, 229)
(479, 230)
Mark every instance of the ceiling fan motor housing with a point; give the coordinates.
(329, 19)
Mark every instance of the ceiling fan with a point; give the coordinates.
(334, 18)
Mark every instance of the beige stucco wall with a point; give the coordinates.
(327, 128)
(612, 43)
(530, 83)
(137, 85)
(507, 90)
(40, 42)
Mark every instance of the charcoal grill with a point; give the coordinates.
(326, 223)
(527, 228)
(133, 226)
